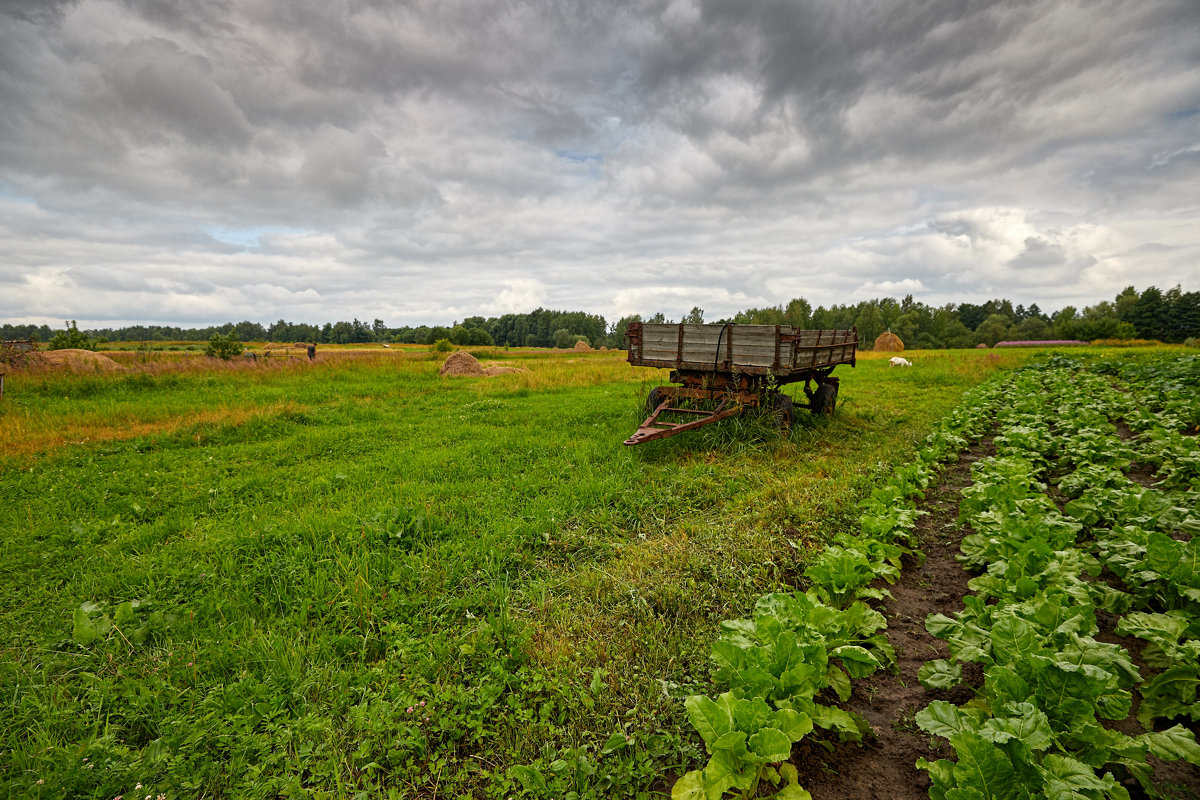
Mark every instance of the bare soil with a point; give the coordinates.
(884, 766)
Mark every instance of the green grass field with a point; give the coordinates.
(357, 578)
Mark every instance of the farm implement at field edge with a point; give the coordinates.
(736, 367)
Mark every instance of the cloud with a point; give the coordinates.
(892, 288)
(425, 161)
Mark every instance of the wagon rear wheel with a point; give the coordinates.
(654, 399)
(824, 399)
(783, 410)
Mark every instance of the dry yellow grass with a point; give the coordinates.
(25, 437)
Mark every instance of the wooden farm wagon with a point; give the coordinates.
(735, 367)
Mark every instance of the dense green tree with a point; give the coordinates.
(436, 334)
(71, 338)
(1032, 329)
(224, 347)
(994, 329)
(1125, 301)
(1149, 314)
(798, 313)
(247, 331)
(870, 324)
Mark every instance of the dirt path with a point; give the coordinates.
(884, 767)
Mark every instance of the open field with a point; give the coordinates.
(236, 581)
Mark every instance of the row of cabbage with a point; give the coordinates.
(773, 666)
(1035, 728)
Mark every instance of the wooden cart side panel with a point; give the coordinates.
(824, 348)
(750, 345)
(756, 347)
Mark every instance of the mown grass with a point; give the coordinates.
(315, 549)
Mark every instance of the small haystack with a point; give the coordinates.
(982, 345)
(73, 360)
(581, 346)
(889, 341)
(460, 363)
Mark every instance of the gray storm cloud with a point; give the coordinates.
(167, 161)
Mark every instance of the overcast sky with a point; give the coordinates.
(182, 162)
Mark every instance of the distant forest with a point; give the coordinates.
(1171, 316)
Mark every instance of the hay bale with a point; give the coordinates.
(73, 360)
(581, 346)
(981, 345)
(498, 369)
(460, 363)
(889, 341)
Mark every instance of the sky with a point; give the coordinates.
(194, 163)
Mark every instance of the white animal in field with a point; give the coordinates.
(897, 361)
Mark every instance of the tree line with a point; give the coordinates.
(1171, 316)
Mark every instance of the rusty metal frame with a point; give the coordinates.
(653, 428)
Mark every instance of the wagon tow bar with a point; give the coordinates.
(653, 429)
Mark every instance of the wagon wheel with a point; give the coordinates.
(824, 399)
(654, 399)
(783, 410)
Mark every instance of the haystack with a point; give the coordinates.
(981, 344)
(581, 345)
(460, 363)
(889, 341)
(73, 360)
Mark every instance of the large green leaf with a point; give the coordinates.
(1023, 722)
(1176, 743)
(723, 772)
(750, 714)
(940, 674)
(793, 724)
(941, 775)
(983, 767)
(771, 744)
(711, 719)
(849, 726)
(689, 787)
(945, 719)
(1012, 638)
(1169, 694)
(792, 792)
(858, 661)
(1065, 778)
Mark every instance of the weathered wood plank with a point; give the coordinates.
(755, 347)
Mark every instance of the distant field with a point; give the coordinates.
(236, 580)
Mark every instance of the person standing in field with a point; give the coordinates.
(312, 351)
